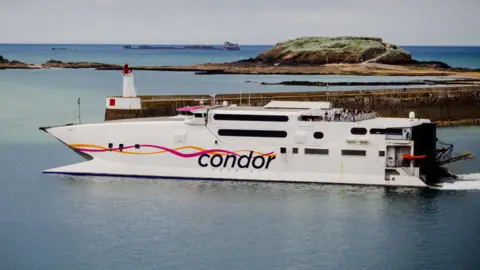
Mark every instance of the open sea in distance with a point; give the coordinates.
(58, 222)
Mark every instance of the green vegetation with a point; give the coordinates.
(331, 44)
(321, 50)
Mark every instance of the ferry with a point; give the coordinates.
(283, 141)
(231, 46)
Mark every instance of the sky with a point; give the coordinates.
(403, 22)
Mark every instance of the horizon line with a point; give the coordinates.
(246, 44)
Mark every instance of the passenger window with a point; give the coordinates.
(312, 151)
(354, 153)
(377, 131)
(318, 135)
(358, 131)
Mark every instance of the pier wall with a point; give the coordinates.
(445, 105)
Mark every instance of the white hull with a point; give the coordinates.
(114, 169)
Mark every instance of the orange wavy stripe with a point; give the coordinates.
(159, 152)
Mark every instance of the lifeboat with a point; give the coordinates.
(408, 156)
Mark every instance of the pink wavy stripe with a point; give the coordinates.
(168, 150)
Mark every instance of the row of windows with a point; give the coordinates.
(315, 151)
(284, 118)
(283, 150)
(251, 117)
(253, 133)
(260, 133)
(283, 134)
(121, 146)
(376, 131)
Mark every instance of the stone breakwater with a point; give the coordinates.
(455, 105)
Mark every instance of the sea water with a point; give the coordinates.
(455, 56)
(60, 222)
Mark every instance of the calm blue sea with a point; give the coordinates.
(468, 57)
(53, 222)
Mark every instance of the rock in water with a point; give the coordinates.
(323, 50)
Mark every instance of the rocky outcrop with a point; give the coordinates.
(431, 64)
(323, 50)
(75, 65)
(12, 64)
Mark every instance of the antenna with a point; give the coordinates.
(241, 90)
(79, 113)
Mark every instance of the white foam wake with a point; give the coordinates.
(465, 182)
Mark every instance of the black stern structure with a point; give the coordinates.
(437, 154)
(424, 138)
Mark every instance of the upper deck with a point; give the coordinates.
(286, 111)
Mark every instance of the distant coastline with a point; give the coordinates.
(303, 56)
(251, 67)
(226, 46)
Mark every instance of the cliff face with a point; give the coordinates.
(322, 50)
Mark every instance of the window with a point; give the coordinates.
(295, 150)
(394, 131)
(318, 135)
(283, 150)
(137, 146)
(358, 131)
(312, 151)
(381, 153)
(199, 115)
(354, 153)
(250, 117)
(121, 147)
(110, 145)
(314, 118)
(377, 131)
(253, 133)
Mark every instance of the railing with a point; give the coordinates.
(350, 117)
(338, 117)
